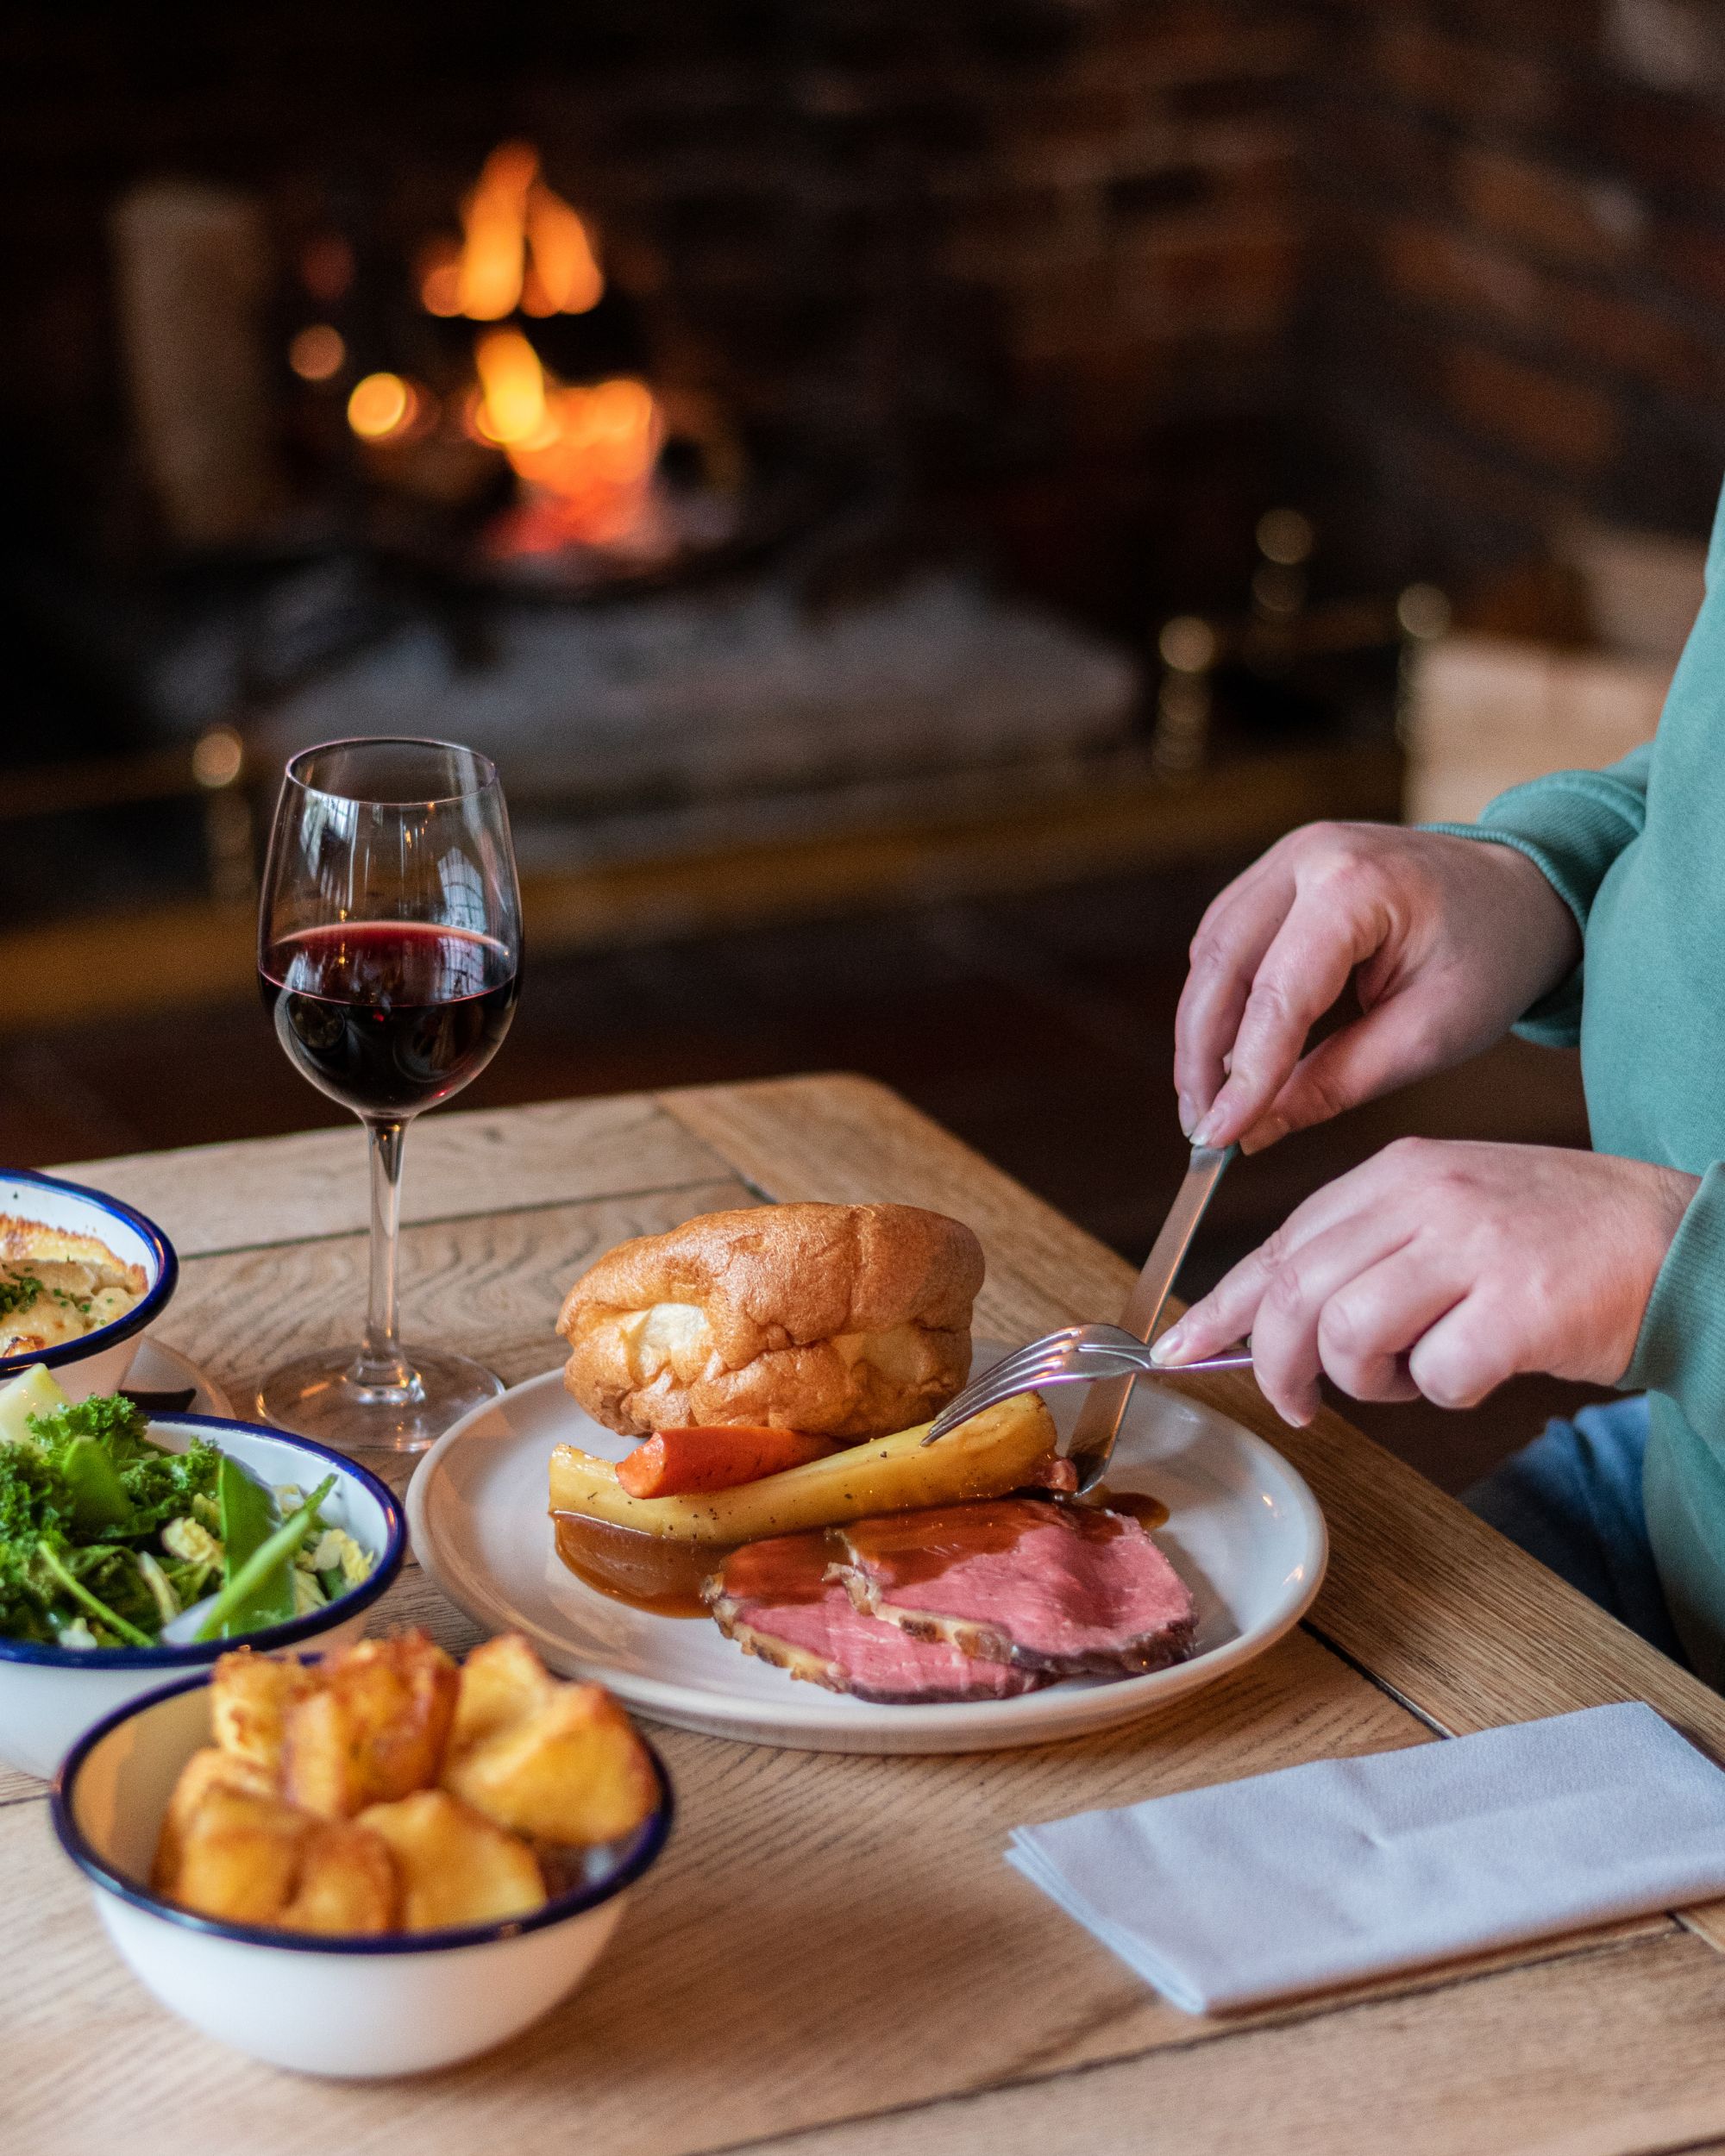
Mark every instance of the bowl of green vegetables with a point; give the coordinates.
(136, 1548)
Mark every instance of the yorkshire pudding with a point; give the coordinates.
(843, 1321)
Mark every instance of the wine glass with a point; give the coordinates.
(389, 955)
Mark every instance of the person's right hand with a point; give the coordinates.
(1448, 941)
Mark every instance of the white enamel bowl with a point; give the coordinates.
(49, 1695)
(353, 2008)
(98, 1363)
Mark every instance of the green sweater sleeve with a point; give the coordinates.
(1571, 825)
(1681, 1347)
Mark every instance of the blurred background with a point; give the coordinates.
(913, 498)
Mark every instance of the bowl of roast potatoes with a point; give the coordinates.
(376, 1863)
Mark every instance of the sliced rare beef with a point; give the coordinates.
(1062, 1590)
(775, 1600)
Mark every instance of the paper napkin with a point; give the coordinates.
(1345, 1869)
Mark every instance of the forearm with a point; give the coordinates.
(1680, 1348)
(1571, 826)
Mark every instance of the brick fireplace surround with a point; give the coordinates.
(1104, 275)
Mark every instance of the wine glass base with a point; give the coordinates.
(316, 1396)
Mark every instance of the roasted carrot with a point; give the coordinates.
(678, 1462)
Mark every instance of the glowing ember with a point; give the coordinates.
(382, 406)
(317, 353)
(587, 455)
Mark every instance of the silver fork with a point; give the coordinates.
(1076, 1354)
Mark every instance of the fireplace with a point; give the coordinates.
(821, 338)
(698, 408)
(1027, 272)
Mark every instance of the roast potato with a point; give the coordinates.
(211, 1769)
(986, 1456)
(454, 1866)
(374, 1730)
(249, 1696)
(239, 1856)
(570, 1769)
(502, 1682)
(261, 1828)
(346, 1881)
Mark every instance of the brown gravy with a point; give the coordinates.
(656, 1573)
(902, 1549)
(784, 1568)
(1149, 1512)
(650, 1572)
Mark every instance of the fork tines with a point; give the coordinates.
(1053, 1360)
(1076, 1355)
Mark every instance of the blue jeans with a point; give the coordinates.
(1572, 1499)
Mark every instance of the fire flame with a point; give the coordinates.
(511, 404)
(563, 277)
(523, 247)
(586, 454)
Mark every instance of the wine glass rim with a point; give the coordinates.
(486, 770)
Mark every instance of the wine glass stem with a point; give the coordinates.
(381, 1365)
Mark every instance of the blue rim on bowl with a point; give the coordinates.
(642, 1851)
(148, 1305)
(390, 1561)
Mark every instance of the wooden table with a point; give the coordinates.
(833, 1959)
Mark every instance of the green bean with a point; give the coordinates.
(282, 1544)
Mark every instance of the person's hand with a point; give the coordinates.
(1442, 1267)
(1448, 942)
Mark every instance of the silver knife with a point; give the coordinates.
(1105, 1403)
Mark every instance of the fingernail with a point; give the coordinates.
(1264, 1133)
(1188, 1112)
(1205, 1133)
(1168, 1346)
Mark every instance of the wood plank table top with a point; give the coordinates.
(833, 1959)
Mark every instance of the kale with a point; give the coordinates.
(117, 1424)
(78, 1497)
(87, 1492)
(161, 1485)
(24, 1603)
(32, 1497)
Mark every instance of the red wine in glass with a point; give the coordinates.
(389, 955)
(389, 1017)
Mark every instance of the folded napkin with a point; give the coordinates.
(1348, 1868)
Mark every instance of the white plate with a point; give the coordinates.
(1244, 1533)
(156, 1368)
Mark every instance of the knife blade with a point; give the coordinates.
(1105, 1403)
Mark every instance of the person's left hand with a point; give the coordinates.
(1442, 1267)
